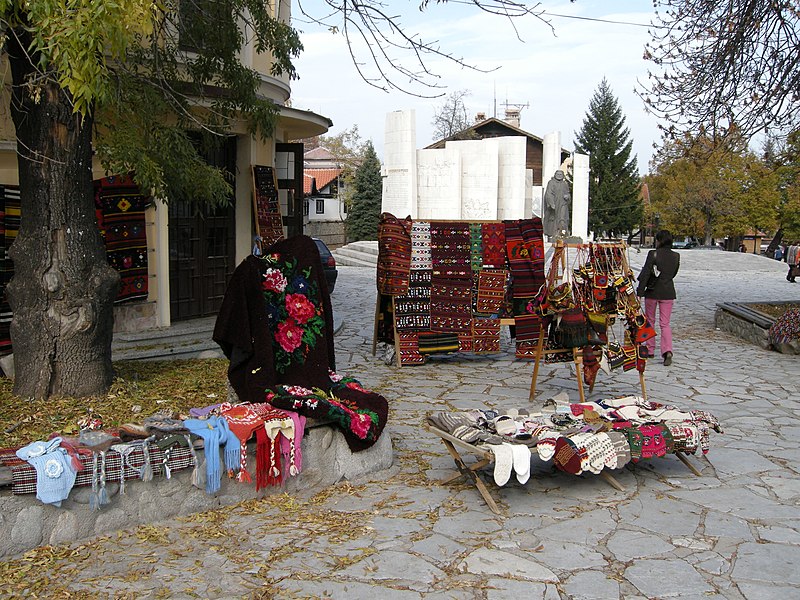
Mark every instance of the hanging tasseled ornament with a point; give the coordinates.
(94, 499)
(195, 464)
(147, 467)
(102, 496)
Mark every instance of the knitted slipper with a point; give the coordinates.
(567, 457)
(546, 445)
(503, 461)
(621, 449)
(522, 462)
(505, 425)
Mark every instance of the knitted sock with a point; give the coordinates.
(503, 461)
(522, 462)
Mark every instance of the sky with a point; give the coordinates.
(550, 74)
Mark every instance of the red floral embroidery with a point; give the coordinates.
(300, 308)
(289, 335)
(274, 281)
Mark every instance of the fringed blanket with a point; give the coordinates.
(267, 327)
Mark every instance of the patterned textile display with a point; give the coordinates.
(468, 277)
(494, 245)
(786, 328)
(294, 309)
(588, 437)
(246, 333)
(394, 254)
(476, 246)
(359, 413)
(525, 250)
(9, 221)
(485, 335)
(24, 475)
(269, 221)
(120, 207)
(527, 350)
(465, 342)
(528, 327)
(451, 305)
(491, 291)
(412, 311)
(421, 245)
(409, 349)
(437, 343)
(450, 250)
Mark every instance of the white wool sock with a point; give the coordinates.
(503, 461)
(522, 462)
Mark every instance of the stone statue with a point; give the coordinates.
(557, 203)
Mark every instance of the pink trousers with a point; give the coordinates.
(665, 330)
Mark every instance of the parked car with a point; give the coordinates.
(328, 264)
(684, 243)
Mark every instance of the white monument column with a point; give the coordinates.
(580, 196)
(400, 164)
(551, 156)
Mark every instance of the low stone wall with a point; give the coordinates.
(26, 523)
(742, 328)
(134, 316)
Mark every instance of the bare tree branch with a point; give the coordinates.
(722, 65)
(396, 59)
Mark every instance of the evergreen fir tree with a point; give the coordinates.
(365, 210)
(614, 204)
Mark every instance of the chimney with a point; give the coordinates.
(480, 117)
(512, 116)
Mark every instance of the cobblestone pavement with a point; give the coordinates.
(734, 532)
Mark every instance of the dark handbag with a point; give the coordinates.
(572, 330)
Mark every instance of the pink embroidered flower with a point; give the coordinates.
(355, 386)
(289, 335)
(360, 424)
(274, 281)
(299, 308)
(335, 377)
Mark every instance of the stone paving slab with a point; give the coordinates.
(732, 533)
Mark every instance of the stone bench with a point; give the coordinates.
(26, 523)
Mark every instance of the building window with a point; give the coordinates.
(320, 206)
(305, 207)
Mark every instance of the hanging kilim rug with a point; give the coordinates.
(120, 212)
(9, 222)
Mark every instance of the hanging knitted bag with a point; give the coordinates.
(572, 330)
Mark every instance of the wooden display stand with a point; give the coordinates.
(557, 268)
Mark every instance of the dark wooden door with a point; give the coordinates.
(202, 248)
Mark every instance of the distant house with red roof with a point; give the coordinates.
(324, 211)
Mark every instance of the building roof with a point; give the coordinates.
(318, 153)
(489, 126)
(317, 179)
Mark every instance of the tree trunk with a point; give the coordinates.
(63, 289)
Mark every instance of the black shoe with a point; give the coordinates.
(667, 359)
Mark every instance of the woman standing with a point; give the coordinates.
(657, 287)
(792, 259)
